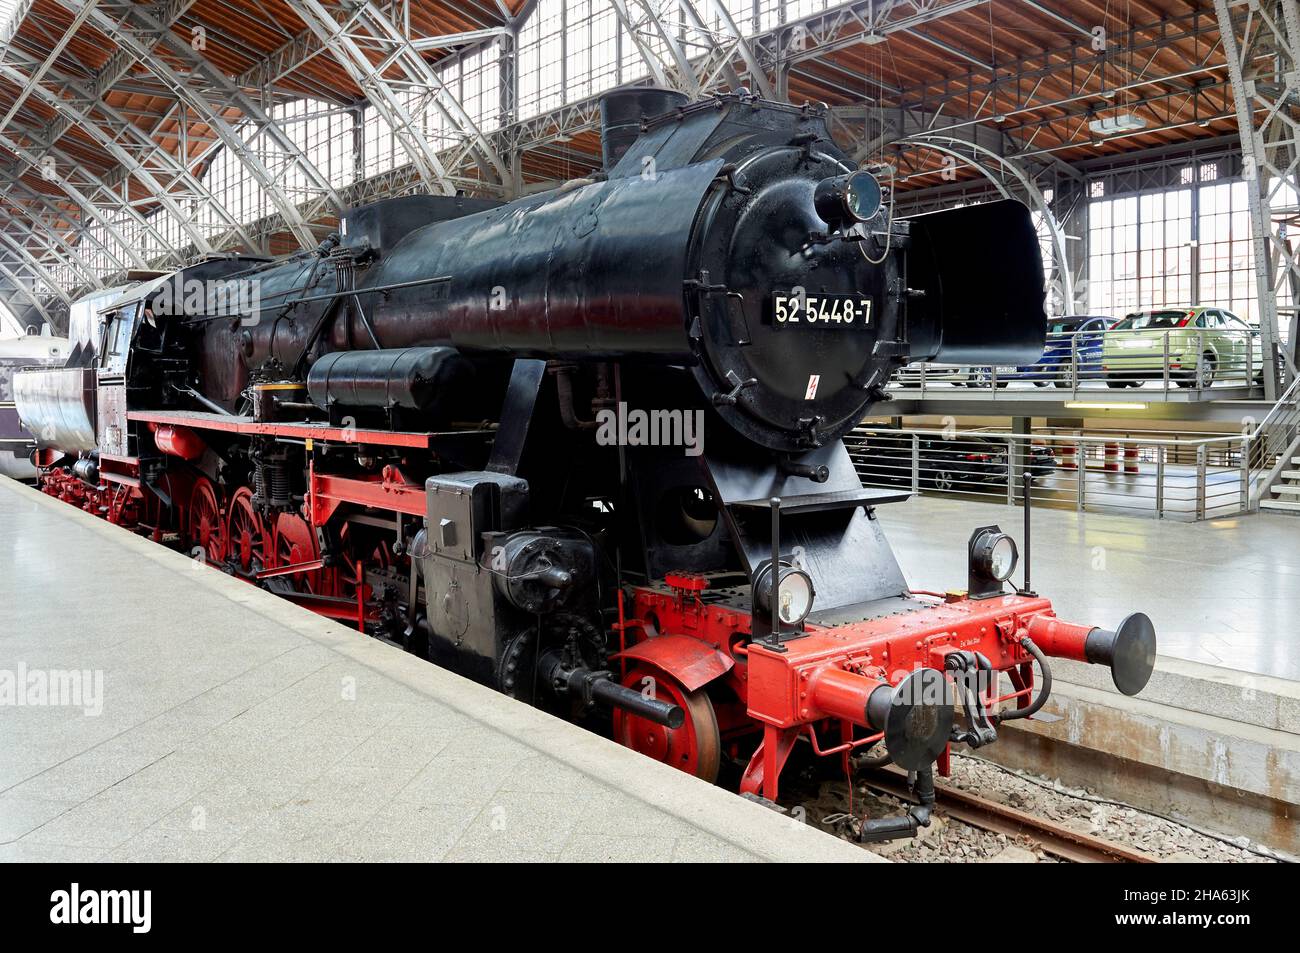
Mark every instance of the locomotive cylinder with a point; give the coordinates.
(178, 441)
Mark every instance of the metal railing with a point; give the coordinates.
(1159, 475)
(1157, 362)
(1267, 448)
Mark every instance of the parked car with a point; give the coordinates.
(1041, 462)
(1202, 344)
(968, 463)
(1073, 347)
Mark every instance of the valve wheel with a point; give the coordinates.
(295, 542)
(246, 535)
(695, 747)
(207, 529)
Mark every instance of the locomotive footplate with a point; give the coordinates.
(895, 678)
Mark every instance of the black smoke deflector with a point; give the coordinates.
(980, 269)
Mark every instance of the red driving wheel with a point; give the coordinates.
(250, 543)
(380, 557)
(695, 747)
(295, 542)
(206, 527)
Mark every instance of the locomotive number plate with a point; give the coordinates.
(821, 311)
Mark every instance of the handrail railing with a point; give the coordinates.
(1194, 476)
(1290, 398)
(1176, 360)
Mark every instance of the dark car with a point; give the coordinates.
(885, 457)
(970, 463)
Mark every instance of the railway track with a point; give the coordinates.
(1055, 839)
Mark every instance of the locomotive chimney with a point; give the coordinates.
(621, 113)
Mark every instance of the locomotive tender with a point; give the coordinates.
(407, 429)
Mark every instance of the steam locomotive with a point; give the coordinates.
(585, 446)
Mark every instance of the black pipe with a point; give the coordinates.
(1027, 492)
(211, 405)
(818, 474)
(774, 586)
(630, 700)
(1044, 690)
(904, 825)
(599, 686)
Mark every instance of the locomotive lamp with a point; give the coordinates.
(992, 560)
(794, 594)
(848, 199)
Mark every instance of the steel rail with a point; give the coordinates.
(1055, 839)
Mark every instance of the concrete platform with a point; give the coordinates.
(1224, 592)
(231, 725)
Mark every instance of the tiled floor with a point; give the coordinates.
(1225, 592)
(235, 726)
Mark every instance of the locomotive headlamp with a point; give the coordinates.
(848, 199)
(794, 594)
(993, 557)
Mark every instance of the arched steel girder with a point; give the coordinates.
(48, 237)
(114, 149)
(18, 186)
(36, 267)
(364, 29)
(656, 67)
(697, 58)
(953, 146)
(19, 288)
(70, 168)
(668, 36)
(335, 37)
(144, 154)
(757, 75)
(281, 151)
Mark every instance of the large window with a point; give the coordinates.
(1140, 251)
(1183, 246)
(9, 326)
(571, 51)
(1226, 251)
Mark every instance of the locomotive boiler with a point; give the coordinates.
(586, 446)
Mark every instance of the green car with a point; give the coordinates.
(1200, 345)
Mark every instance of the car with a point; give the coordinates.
(1058, 365)
(1071, 352)
(1200, 344)
(970, 463)
(886, 457)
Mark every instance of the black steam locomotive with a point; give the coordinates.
(585, 446)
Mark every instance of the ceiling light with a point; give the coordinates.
(1120, 122)
(1103, 405)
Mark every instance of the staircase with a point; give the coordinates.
(1274, 449)
(1286, 491)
